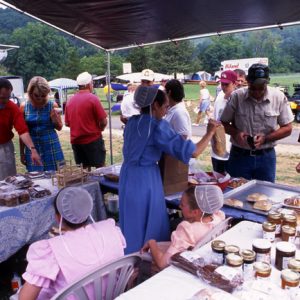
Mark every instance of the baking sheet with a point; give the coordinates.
(276, 193)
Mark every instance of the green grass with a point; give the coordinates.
(286, 79)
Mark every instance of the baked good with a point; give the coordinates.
(257, 197)
(233, 202)
(263, 205)
(24, 197)
(37, 191)
(293, 201)
(236, 182)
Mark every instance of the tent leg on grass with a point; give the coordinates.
(109, 107)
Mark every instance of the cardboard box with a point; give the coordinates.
(174, 174)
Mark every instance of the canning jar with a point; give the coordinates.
(269, 230)
(262, 248)
(217, 247)
(284, 252)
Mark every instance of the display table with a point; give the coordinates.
(113, 187)
(26, 223)
(176, 284)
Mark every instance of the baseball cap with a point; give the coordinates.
(145, 95)
(228, 77)
(74, 204)
(258, 73)
(84, 78)
(147, 74)
(209, 198)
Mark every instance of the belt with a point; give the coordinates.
(254, 152)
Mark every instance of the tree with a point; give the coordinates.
(174, 58)
(42, 51)
(221, 48)
(72, 66)
(139, 58)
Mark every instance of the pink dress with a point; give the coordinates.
(57, 262)
(189, 234)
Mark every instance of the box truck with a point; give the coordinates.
(243, 64)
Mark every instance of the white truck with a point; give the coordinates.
(243, 64)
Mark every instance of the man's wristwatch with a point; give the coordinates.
(31, 148)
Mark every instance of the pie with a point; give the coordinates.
(257, 197)
(263, 205)
(233, 202)
(293, 201)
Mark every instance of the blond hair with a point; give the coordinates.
(202, 84)
(39, 83)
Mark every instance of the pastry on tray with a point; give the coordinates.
(236, 182)
(257, 197)
(233, 202)
(264, 205)
(293, 201)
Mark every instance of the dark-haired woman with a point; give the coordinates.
(143, 213)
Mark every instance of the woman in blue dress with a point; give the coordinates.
(42, 120)
(143, 213)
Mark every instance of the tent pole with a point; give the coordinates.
(109, 106)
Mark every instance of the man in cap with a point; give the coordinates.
(256, 117)
(228, 84)
(87, 119)
(128, 106)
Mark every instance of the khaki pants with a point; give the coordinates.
(7, 160)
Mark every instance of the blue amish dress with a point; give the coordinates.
(143, 213)
(44, 137)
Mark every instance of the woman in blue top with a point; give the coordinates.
(143, 213)
(42, 120)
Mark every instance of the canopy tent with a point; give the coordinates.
(136, 77)
(4, 49)
(120, 24)
(62, 85)
(201, 75)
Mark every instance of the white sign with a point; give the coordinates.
(127, 68)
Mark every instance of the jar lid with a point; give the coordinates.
(262, 244)
(294, 264)
(262, 267)
(290, 275)
(234, 259)
(285, 247)
(218, 245)
(231, 249)
(288, 229)
(289, 218)
(269, 226)
(274, 215)
(248, 254)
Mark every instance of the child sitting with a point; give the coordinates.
(200, 207)
(55, 263)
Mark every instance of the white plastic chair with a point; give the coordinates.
(114, 276)
(215, 232)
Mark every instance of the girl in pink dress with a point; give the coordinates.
(55, 263)
(200, 208)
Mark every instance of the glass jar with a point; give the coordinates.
(217, 247)
(275, 218)
(288, 233)
(289, 279)
(290, 220)
(284, 252)
(269, 230)
(249, 259)
(231, 249)
(262, 270)
(294, 264)
(262, 248)
(235, 261)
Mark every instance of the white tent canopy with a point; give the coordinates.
(136, 77)
(62, 84)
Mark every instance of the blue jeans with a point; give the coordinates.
(260, 167)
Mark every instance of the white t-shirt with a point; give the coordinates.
(179, 119)
(204, 94)
(219, 106)
(128, 107)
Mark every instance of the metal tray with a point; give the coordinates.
(276, 193)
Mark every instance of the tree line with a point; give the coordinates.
(47, 52)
